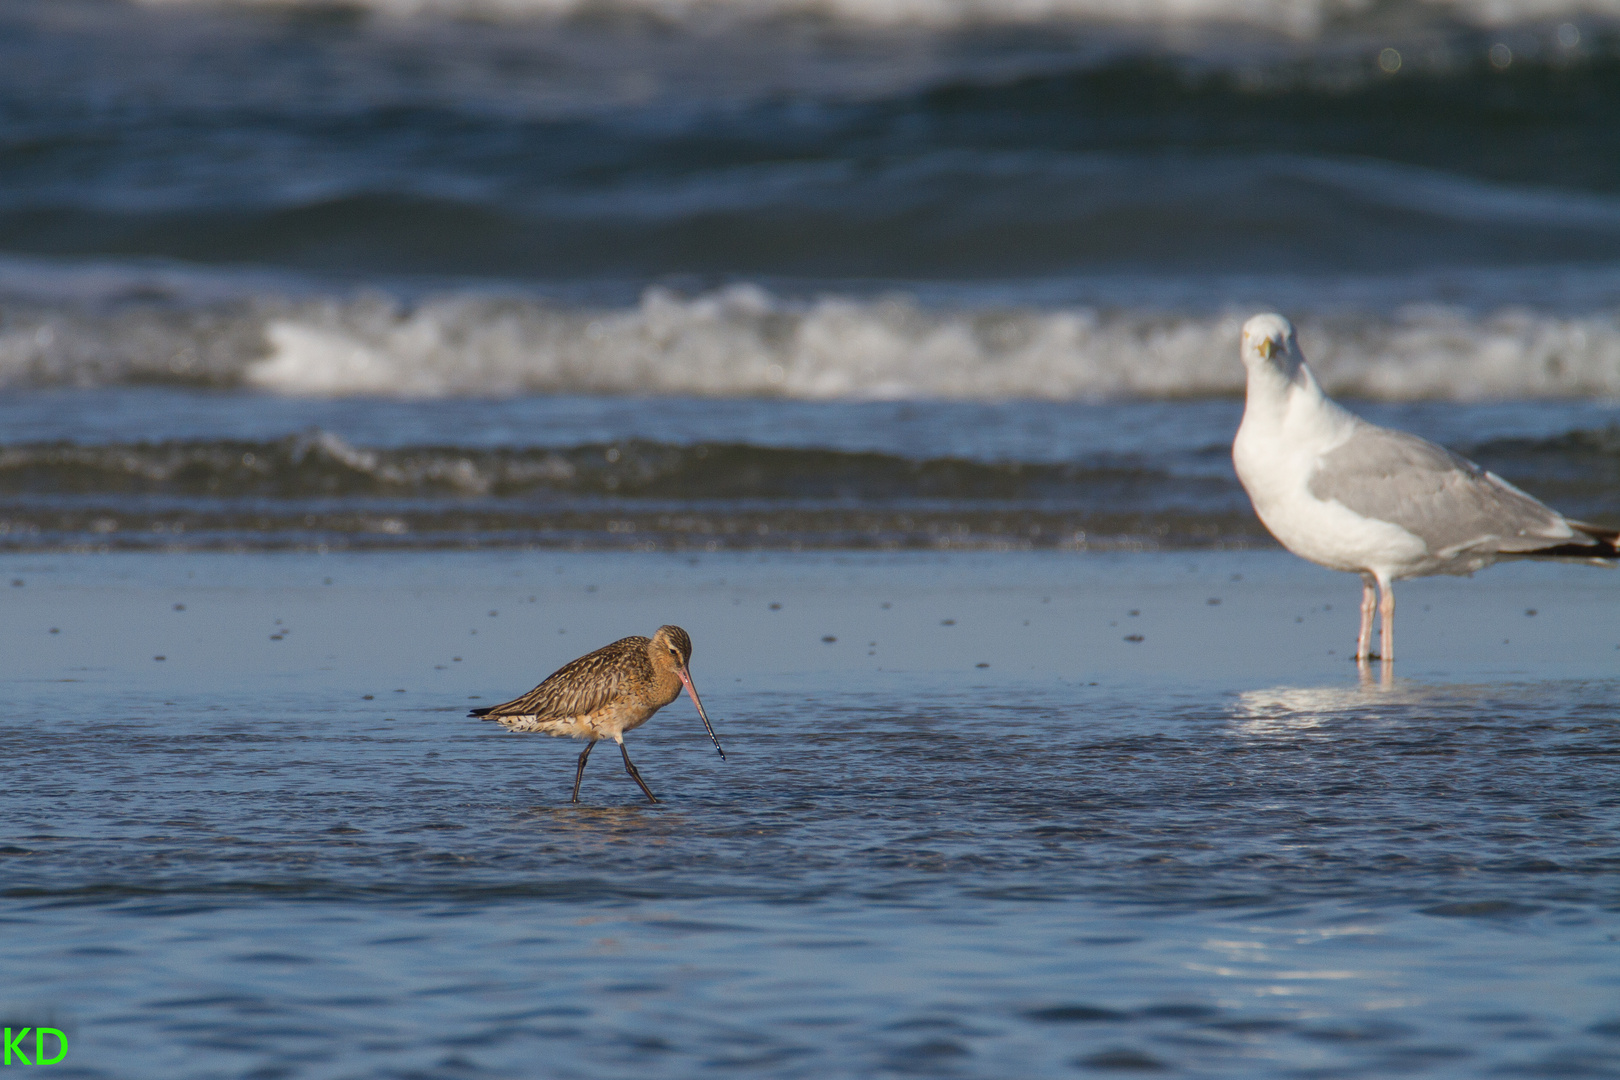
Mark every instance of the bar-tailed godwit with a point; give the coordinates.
(606, 693)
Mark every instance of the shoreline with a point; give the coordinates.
(1219, 619)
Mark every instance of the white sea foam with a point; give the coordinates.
(744, 341)
(1297, 17)
(1555, 333)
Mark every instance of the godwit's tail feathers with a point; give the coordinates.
(1600, 546)
(506, 710)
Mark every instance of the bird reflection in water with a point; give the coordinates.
(1385, 679)
(1304, 709)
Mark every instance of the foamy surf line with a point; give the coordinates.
(745, 341)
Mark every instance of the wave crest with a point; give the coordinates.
(744, 341)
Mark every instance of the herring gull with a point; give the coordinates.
(1354, 496)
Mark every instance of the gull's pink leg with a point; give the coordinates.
(1386, 632)
(1369, 600)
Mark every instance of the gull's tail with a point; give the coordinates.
(1602, 546)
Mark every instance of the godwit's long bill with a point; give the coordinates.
(1353, 496)
(606, 693)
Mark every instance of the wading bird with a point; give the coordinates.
(1353, 496)
(606, 693)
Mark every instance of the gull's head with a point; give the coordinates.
(1269, 340)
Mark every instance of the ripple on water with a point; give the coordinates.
(889, 878)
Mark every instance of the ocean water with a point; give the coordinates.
(181, 470)
(981, 815)
(764, 274)
(947, 199)
(362, 360)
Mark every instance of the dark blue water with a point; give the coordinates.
(584, 150)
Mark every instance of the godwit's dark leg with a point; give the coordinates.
(631, 769)
(579, 772)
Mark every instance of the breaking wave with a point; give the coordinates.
(746, 341)
(322, 465)
(317, 490)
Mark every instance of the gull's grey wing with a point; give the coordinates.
(1453, 505)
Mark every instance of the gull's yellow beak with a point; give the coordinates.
(1267, 347)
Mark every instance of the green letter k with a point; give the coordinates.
(14, 1045)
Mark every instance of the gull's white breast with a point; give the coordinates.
(1276, 453)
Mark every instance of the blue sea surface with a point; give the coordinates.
(810, 199)
(980, 816)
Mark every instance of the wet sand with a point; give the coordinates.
(1226, 621)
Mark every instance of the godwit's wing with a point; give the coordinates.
(580, 686)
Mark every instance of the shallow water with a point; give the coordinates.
(1212, 852)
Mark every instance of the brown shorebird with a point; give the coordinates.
(606, 693)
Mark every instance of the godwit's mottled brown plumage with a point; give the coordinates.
(606, 693)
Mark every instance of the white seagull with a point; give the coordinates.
(1353, 496)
